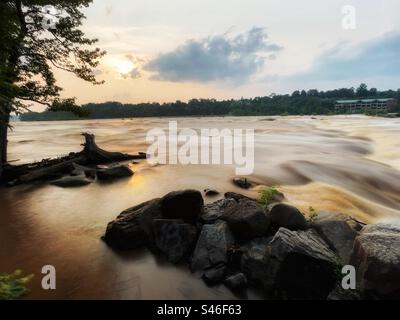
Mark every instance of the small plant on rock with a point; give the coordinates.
(268, 195)
(13, 285)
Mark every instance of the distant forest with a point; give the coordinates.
(311, 102)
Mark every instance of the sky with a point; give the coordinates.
(163, 51)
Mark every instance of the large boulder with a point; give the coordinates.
(174, 238)
(117, 172)
(300, 266)
(215, 210)
(212, 246)
(247, 220)
(215, 274)
(71, 181)
(254, 261)
(133, 228)
(286, 216)
(376, 256)
(186, 205)
(339, 231)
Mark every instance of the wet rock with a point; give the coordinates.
(376, 256)
(243, 183)
(82, 170)
(71, 181)
(215, 274)
(116, 172)
(186, 205)
(174, 238)
(247, 220)
(339, 294)
(211, 192)
(212, 246)
(254, 261)
(215, 210)
(339, 231)
(237, 196)
(286, 216)
(300, 266)
(237, 282)
(133, 228)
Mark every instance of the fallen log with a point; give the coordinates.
(91, 154)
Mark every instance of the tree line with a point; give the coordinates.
(311, 102)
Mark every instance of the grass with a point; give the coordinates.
(13, 285)
(267, 195)
(312, 215)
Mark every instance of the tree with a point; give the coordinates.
(68, 105)
(362, 91)
(38, 36)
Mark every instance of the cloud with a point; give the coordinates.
(218, 57)
(375, 58)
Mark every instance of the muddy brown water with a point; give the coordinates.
(346, 164)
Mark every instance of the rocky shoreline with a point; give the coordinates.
(241, 243)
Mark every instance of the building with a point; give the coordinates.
(364, 105)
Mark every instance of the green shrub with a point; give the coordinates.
(13, 285)
(267, 195)
(312, 215)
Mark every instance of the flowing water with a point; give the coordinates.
(348, 164)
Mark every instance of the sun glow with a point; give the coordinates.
(124, 66)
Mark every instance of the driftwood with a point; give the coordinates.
(50, 168)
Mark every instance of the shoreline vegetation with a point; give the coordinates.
(311, 102)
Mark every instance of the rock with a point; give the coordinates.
(254, 261)
(174, 238)
(71, 181)
(300, 266)
(186, 205)
(212, 246)
(211, 192)
(247, 220)
(133, 228)
(215, 274)
(339, 232)
(82, 170)
(376, 256)
(116, 172)
(237, 282)
(339, 294)
(237, 196)
(242, 182)
(285, 216)
(215, 210)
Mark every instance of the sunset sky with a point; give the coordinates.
(181, 49)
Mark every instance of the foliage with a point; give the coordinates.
(29, 51)
(311, 102)
(13, 286)
(267, 195)
(68, 105)
(312, 215)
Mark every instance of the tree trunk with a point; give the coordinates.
(4, 121)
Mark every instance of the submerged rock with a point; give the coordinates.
(133, 228)
(186, 205)
(212, 246)
(116, 172)
(339, 231)
(215, 210)
(82, 170)
(71, 181)
(174, 238)
(211, 192)
(247, 220)
(241, 182)
(286, 216)
(376, 256)
(300, 266)
(237, 196)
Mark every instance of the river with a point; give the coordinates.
(348, 164)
